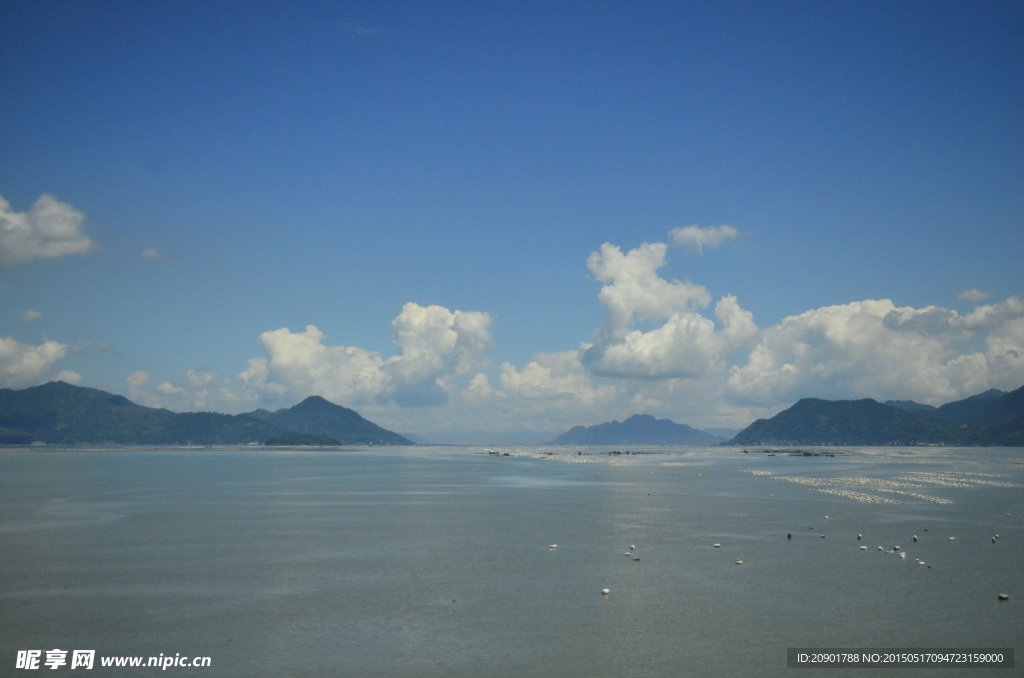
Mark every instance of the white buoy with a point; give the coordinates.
(863, 548)
(915, 537)
(718, 546)
(903, 554)
(632, 546)
(896, 548)
(1004, 596)
(605, 591)
(880, 548)
(826, 517)
(920, 562)
(739, 562)
(952, 538)
(859, 536)
(553, 546)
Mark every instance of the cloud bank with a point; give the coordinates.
(436, 346)
(667, 348)
(876, 349)
(51, 229)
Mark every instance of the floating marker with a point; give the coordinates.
(915, 537)
(822, 536)
(605, 591)
(789, 536)
(863, 548)
(896, 548)
(880, 548)
(553, 546)
(920, 562)
(859, 536)
(718, 546)
(903, 554)
(1004, 596)
(952, 538)
(739, 562)
(993, 540)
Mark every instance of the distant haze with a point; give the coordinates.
(483, 437)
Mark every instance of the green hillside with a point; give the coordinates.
(317, 415)
(59, 413)
(990, 418)
(812, 421)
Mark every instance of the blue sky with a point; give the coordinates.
(327, 164)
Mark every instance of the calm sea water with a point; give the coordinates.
(436, 561)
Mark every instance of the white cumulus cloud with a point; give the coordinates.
(875, 349)
(51, 229)
(554, 376)
(973, 295)
(152, 254)
(435, 343)
(695, 237)
(479, 386)
(636, 292)
(31, 315)
(304, 365)
(434, 340)
(994, 315)
(27, 365)
(686, 344)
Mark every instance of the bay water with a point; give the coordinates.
(438, 561)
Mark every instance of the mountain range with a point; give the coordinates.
(640, 429)
(990, 418)
(60, 413)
